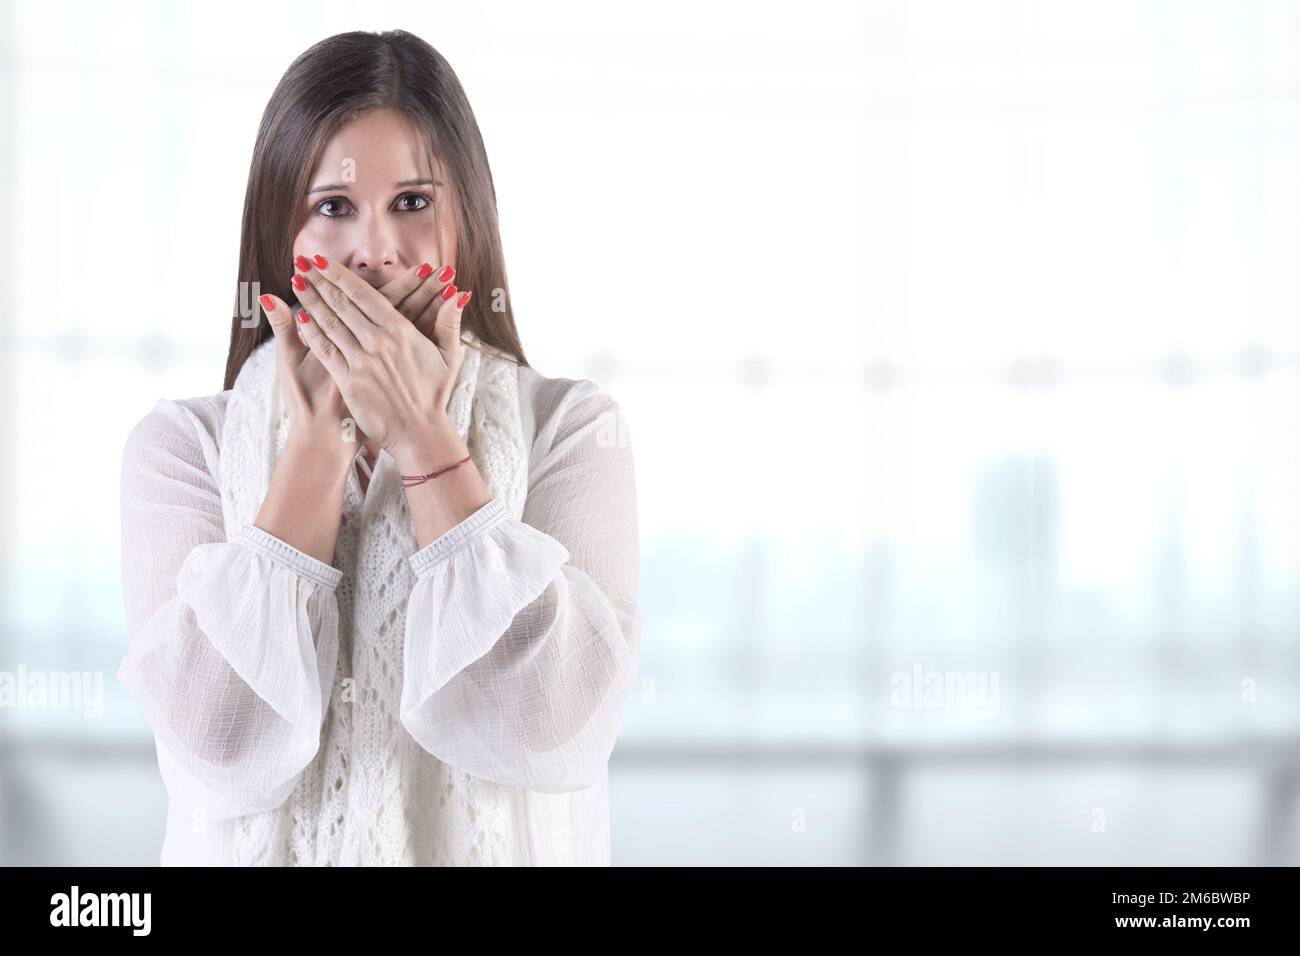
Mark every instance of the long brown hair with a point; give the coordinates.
(327, 86)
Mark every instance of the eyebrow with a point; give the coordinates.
(344, 186)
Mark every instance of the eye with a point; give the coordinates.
(320, 207)
(421, 198)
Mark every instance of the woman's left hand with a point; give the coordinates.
(394, 379)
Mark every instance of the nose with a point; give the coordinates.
(376, 251)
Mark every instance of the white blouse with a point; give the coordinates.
(539, 705)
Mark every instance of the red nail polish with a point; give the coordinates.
(303, 317)
(446, 274)
(267, 302)
(303, 263)
(448, 292)
(423, 271)
(299, 282)
(462, 299)
(321, 262)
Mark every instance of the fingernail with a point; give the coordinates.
(299, 282)
(448, 292)
(462, 299)
(423, 271)
(303, 317)
(267, 302)
(446, 274)
(303, 263)
(321, 262)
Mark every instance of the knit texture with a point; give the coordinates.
(372, 795)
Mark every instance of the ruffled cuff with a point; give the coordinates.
(289, 557)
(261, 609)
(470, 585)
(264, 631)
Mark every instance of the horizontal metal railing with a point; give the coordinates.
(887, 767)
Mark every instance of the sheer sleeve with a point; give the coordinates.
(232, 644)
(523, 636)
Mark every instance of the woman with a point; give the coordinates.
(381, 589)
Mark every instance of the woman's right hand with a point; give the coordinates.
(317, 412)
(417, 294)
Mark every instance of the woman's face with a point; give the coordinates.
(370, 202)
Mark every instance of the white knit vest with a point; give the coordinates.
(372, 795)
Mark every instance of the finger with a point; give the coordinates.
(323, 347)
(329, 294)
(290, 349)
(429, 315)
(323, 315)
(280, 317)
(353, 298)
(401, 287)
(413, 307)
(446, 328)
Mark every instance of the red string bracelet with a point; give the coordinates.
(410, 480)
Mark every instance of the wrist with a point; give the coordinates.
(326, 448)
(427, 446)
